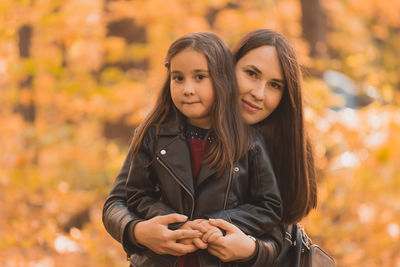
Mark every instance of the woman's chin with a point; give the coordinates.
(249, 119)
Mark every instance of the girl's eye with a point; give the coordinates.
(251, 73)
(177, 78)
(199, 77)
(275, 85)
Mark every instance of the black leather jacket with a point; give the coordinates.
(247, 195)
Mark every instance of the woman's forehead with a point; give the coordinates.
(264, 58)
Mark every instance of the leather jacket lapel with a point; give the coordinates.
(176, 156)
(204, 173)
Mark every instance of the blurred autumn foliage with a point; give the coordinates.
(76, 77)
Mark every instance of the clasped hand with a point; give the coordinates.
(192, 235)
(234, 245)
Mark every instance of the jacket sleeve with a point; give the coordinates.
(268, 249)
(117, 219)
(143, 193)
(262, 210)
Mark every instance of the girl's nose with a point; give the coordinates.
(258, 91)
(188, 89)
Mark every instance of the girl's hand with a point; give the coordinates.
(155, 235)
(235, 245)
(213, 232)
(194, 225)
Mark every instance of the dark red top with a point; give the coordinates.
(195, 137)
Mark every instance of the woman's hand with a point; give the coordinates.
(235, 245)
(155, 235)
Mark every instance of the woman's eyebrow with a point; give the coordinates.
(278, 81)
(255, 69)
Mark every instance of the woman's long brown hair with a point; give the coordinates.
(232, 136)
(284, 130)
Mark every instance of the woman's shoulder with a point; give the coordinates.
(258, 141)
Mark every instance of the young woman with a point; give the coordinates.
(193, 155)
(267, 70)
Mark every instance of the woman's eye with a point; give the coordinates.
(275, 85)
(251, 73)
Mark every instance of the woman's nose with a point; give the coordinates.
(258, 91)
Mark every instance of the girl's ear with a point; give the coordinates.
(166, 65)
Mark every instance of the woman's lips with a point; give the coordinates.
(250, 107)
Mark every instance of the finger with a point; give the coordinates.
(199, 243)
(199, 227)
(214, 237)
(228, 227)
(178, 249)
(184, 234)
(209, 233)
(207, 224)
(187, 241)
(171, 218)
(199, 220)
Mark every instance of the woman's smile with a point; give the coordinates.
(190, 102)
(250, 106)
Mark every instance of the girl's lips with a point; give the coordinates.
(250, 107)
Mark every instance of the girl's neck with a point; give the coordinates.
(203, 123)
(190, 127)
(194, 132)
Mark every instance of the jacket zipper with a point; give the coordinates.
(190, 194)
(183, 186)
(228, 189)
(180, 183)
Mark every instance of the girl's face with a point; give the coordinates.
(260, 79)
(191, 87)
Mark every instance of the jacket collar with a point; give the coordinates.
(205, 172)
(173, 125)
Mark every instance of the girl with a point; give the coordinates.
(194, 156)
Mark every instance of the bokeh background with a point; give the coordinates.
(77, 76)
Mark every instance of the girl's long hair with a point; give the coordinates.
(232, 136)
(284, 130)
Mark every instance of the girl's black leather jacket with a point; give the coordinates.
(159, 182)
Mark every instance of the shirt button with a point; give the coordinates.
(236, 169)
(163, 152)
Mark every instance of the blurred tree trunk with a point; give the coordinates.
(26, 109)
(314, 27)
(132, 33)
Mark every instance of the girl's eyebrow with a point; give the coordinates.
(200, 70)
(195, 71)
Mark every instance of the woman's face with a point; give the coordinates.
(261, 83)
